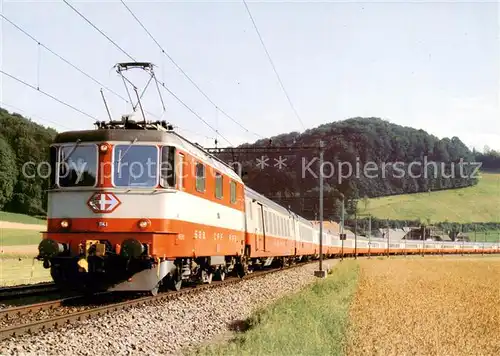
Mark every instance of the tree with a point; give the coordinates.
(8, 172)
(30, 143)
(355, 142)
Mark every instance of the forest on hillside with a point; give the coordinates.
(353, 141)
(349, 144)
(21, 141)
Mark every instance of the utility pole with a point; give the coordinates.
(355, 235)
(463, 244)
(388, 241)
(369, 235)
(320, 273)
(342, 215)
(423, 241)
(342, 228)
(484, 241)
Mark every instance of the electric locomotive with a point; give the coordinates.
(133, 206)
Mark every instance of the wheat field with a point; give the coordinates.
(429, 306)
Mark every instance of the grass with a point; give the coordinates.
(311, 322)
(480, 203)
(488, 236)
(15, 237)
(20, 218)
(433, 307)
(15, 270)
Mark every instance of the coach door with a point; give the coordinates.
(261, 240)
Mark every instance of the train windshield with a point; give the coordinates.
(135, 166)
(77, 166)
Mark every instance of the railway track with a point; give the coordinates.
(31, 327)
(95, 308)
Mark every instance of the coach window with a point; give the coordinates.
(180, 171)
(268, 222)
(233, 192)
(200, 177)
(167, 177)
(218, 185)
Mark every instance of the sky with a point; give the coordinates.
(429, 65)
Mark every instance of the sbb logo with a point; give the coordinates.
(103, 202)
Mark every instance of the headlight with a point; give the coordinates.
(143, 223)
(103, 148)
(64, 224)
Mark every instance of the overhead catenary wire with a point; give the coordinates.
(273, 66)
(19, 28)
(12, 107)
(193, 112)
(72, 65)
(99, 30)
(133, 59)
(185, 74)
(47, 94)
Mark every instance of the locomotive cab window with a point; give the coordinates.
(53, 161)
(200, 177)
(135, 166)
(77, 166)
(218, 185)
(167, 173)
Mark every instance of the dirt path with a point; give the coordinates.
(21, 226)
(427, 307)
(19, 250)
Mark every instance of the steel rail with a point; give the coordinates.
(63, 320)
(9, 313)
(28, 289)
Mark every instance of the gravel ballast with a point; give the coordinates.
(170, 326)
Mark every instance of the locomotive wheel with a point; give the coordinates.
(240, 270)
(174, 281)
(206, 277)
(154, 291)
(220, 275)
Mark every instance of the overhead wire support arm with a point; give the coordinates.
(261, 149)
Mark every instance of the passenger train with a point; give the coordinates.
(134, 206)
